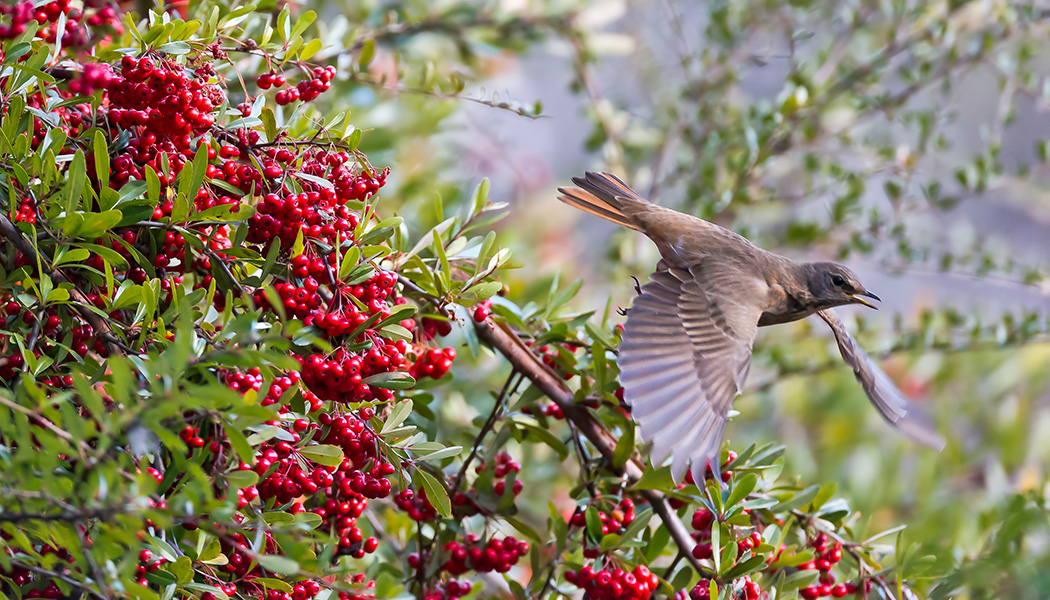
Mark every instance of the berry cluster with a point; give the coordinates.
(436, 327)
(702, 591)
(615, 584)
(449, 590)
(484, 557)
(416, 505)
(619, 517)
(158, 117)
(827, 556)
(559, 357)
(147, 565)
(503, 466)
(98, 15)
(306, 90)
(26, 212)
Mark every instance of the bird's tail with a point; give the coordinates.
(606, 196)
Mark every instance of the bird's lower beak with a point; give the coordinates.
(859, 299)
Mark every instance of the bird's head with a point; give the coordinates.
(832, 284)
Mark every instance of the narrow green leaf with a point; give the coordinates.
(435, 491)
(326, 455)
(278, 564)
(744, 486)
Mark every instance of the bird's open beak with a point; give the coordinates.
(866, 294)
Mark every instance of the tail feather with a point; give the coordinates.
(603, 195)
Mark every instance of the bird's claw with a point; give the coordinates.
(637, 285)
(621, 311)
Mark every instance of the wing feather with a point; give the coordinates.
(904, 416)
(685, 353)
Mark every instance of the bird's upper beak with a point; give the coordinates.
(859, 299)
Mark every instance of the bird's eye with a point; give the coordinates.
(838, 280)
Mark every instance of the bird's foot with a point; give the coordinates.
(637, 285)
(621, 311)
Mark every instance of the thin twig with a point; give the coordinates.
(501, 399)
(59, 576)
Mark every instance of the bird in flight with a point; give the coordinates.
(686, 347)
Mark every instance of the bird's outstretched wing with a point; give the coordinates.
(685, 354)
(888, 400)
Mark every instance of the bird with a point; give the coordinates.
(685, 350)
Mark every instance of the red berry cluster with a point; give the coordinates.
(363, 594)
(615, 584)
(340, 376)
(20, 576)
(163, 108)
(503, 465)
(436, 327)
(147, 565)
(320, 81)
(433, 363)
(827, 557)
(363, 472)
(484, 557)
(416, 505)
(559, 357)
(619, 517)
(157, 114)
(53, 337)
(449, 590)
(96, 14)
(702, 591)
(26, 212)
(300, 591)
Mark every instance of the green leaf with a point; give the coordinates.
(654, 479)
(746, 567)
(436, 493)
(314, 179)
(326, 455)
(75, 178)
(594, 523)
(624, 447)
(744, 486)
(546, 437)
(242, 479)
(269, 123)
(827, 491)
(303, 22)
(101, 150)
(481, 196)
(280, 565)
(798, 500)
(397, 416)
(75, 255)
(393, 380)
(640, 522)
(368, 51)
(442, 453)
(196, 179)
(175, 48)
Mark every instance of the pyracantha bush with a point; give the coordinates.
(217, 358)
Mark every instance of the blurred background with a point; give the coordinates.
(906, 139)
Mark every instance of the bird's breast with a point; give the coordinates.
(783, 307)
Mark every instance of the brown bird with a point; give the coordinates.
(686, 347)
